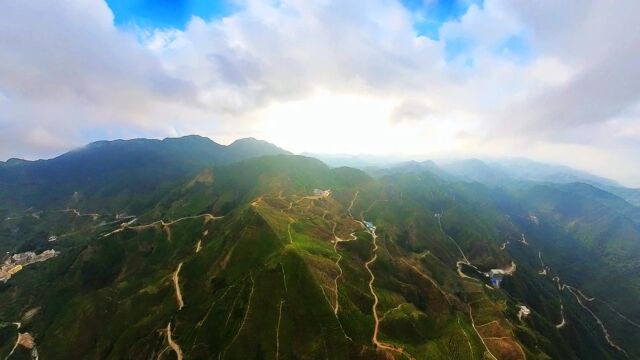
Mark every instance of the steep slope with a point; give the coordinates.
(283, 257)
(591, 240)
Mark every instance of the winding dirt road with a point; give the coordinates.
(464, 257)
(374, 307)
(504, 245)
(164, 225)
(352, 202)
(473, 325)
(13, 349)
(459, 264)
(278, 331)
(176, 348)
(543, 268)
(336, 241)
(176, 285)
(244, 318)
(291, 221)
(563, 322)
(94, 216)
(580, 297)
(467, 337)
(619, 314)
(433, 282)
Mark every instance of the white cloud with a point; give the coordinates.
(279, 69)
(64, 69)
(601, 42)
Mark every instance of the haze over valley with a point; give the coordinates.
(184, 248)
(258, 179)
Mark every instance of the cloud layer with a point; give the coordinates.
(554, 81)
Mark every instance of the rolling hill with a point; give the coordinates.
(231, 254)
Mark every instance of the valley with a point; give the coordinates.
(282, 257)
(319, 180)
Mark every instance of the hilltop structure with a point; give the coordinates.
(17, 262)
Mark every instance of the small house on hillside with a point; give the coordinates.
(496, 276)
(369, 225)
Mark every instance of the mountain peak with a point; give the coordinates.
(243, 148)
(191, 139)
(249, 140)
(15, 161)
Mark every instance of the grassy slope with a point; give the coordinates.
(253, 291)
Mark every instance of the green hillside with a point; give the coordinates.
(282, 257)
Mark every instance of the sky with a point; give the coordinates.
(553, 81)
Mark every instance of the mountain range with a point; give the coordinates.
(187, 249)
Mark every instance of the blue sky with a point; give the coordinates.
(166, 13)
(430, 14)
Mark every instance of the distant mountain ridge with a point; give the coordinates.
(473, 169)
(502, 172)
(12, 161)
(192, 148)
(115, 170)
(493, 173)
(536, 171)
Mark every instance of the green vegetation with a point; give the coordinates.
(280, 272)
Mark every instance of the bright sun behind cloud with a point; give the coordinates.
(346, 123)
